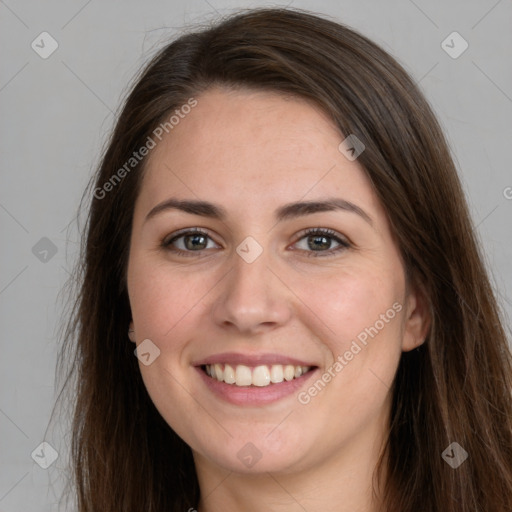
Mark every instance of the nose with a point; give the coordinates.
(252, 298)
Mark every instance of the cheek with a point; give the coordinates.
(165, 304)
(360, 317)
(353, 300)
(161, 299)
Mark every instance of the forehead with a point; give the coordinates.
(252, 149)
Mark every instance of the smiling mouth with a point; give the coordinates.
(259, 376)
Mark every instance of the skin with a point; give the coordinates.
(251, 153)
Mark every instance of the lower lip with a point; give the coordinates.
(254, 395)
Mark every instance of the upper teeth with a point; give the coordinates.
(242, 375)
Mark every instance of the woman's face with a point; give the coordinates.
(254, 295)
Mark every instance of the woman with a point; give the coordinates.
(278, 224)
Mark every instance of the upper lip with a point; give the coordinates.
(233, 358)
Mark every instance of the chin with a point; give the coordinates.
(255, 454)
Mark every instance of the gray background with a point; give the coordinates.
(56, 113)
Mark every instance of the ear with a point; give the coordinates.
(131, 332)
(417, 318)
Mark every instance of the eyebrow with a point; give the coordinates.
(285, 212)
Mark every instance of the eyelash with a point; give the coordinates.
(329, 233)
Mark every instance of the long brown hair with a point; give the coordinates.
(455, 388)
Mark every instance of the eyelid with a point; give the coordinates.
(185, 231)
(326, 231)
